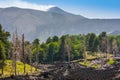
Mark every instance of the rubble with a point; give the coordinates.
(75, 71)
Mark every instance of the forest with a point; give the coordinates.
(66, 48)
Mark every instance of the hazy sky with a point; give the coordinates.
(87, 8)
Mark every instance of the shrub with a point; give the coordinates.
(111, 61)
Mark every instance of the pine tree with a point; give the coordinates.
(62, 50)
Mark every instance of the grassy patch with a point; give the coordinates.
(111, 61)
(87, 63)
(97, 55)
(9, 68)
(89, 57)
(96, 66)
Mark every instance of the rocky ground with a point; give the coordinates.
(74, 71)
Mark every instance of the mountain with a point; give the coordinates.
(54, 21)
(56, 10)
(115, 33)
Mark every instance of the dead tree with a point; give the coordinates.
(114, 48)
(68, 48)
(28, 52)
(84, 48)
(101, 57)
(30, 59)
(37, 56)
(106, 45)
(23, 53)
(16, 51)
(14, 61)
(17, 48)
(28, 48)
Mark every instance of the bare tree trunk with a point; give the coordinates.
(2, 67)
(52, 58)
(31, 60)
(68, 47)
(68, 56)
(23, 53)
(37, 56)
(114, 48)
(107, 46)
(15, 66)
(101, 59)
(36, 61)
(85, 56)
(113, 54)
(68, 51)
(85, 53)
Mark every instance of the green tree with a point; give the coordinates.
(102, 37)
(42, 55)
(44, 51)
(91, 42)
(4, 46)
(62, 50)
(4, 39)
(35, 50)
(2, 55)
(51, 52)
(95, 45)
(48, 40)
(36, 42)
(55, 39)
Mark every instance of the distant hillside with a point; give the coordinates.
(115, 33)
(55, 21)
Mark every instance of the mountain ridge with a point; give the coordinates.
(55, 21)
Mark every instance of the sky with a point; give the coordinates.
(87, 8)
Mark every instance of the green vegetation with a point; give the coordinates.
(9, 69)
(111, 61)
(4, 47)
(86, 63)
(96, 65)
(64, 48)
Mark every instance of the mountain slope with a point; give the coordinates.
(115, 33)
(55, 21)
